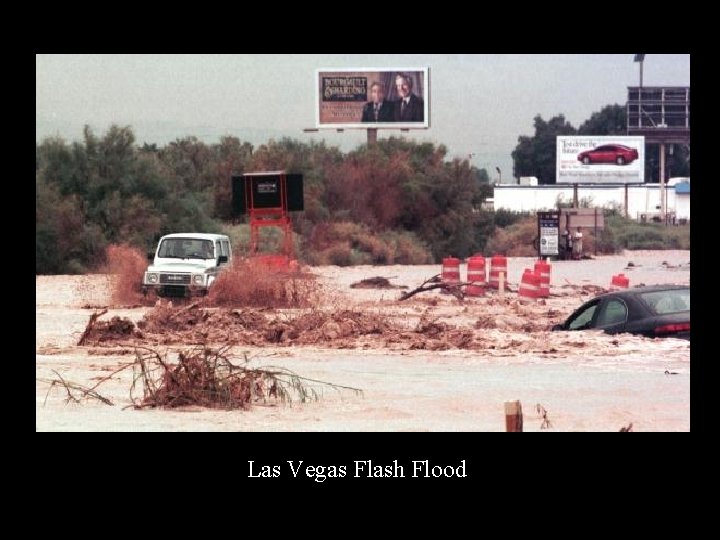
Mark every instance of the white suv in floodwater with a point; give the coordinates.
(186, 264)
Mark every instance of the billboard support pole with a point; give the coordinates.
(575, 196)
(371, 136)
(595, 231)
(626, 201)
(663, 208)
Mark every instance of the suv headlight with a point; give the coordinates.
(152, 278)
(198, 279)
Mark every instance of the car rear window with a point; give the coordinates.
(671, 301)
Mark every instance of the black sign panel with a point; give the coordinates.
(548, 234)
(296, 200)
(238, 196)
(265, 191)
(267, 187)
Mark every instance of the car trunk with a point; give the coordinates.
(676, 325)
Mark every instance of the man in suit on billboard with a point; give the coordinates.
(379, 109)
(410, 107)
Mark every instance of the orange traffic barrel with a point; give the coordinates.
(621, 281)
(451, 270)
(543, 269)
(498, 264)
(529, 284)
(476, 275)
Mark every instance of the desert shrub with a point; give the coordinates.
(505, 218)
(642, 239)
(673, 242)
(347, 243)
(380, 251)
(407, 248)
(74, 266)
(249, 283)
(606, 241)
(630, 234)
(339, 254)
(270, 240)
(239, 237)
(516, 240)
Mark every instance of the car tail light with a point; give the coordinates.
(672, 328)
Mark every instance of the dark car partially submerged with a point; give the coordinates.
(655, 311)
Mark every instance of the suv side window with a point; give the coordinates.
(225, 248)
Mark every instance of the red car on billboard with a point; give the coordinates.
(609, 153)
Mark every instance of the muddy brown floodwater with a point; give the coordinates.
(430, 363)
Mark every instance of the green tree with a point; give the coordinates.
(313, 161)
(483, 190)
(230, 157)
(451, 231)
(610, 120)
(677, 163)
(189, 163)
(106, 189)
(535, 156)
(64, 241)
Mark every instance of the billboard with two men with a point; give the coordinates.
(607, 159)
(372, 98)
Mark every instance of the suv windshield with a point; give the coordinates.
(186, 248)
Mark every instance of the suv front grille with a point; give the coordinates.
(175, 279)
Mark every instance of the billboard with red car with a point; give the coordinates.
(600, 160)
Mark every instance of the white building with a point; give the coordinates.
(642, 199)
(682, 200)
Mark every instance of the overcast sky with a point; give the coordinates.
(480, 104)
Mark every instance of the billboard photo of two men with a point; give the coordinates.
(373, 98)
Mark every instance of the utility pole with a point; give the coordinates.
(640, 58)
